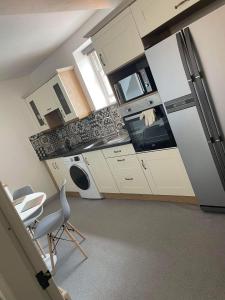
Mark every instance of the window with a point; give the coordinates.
(94, 77)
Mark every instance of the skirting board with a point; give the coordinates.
(177, 199)
(164, 198)
(72, 194)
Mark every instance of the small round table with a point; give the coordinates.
(28, 213)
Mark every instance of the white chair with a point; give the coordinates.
(59, 222)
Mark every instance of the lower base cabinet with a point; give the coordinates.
(100, 171)
(166, 173)
(128, 175)
(60, 172)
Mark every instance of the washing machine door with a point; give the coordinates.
(80, 177)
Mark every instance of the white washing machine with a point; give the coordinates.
(81, 177)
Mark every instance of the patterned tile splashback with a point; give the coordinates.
(103, 123)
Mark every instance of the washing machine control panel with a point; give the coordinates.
(76, 158)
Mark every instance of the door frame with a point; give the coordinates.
(21, 241)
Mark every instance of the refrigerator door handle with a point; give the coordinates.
(200, 82)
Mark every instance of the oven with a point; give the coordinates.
(132, 81)
(156, 135)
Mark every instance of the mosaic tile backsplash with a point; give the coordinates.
(101, 124)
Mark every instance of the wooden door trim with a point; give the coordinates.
(163, 198)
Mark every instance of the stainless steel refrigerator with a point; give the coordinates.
(189, 71)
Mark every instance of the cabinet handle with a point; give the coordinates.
(53, 165)
(143, 165)
(121, 159)
(49, 108)
(101, 59)
(56, 166)
(86, 161)
(117, 151)
(129, 178)
(180, 3)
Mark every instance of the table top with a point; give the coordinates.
(26, 214)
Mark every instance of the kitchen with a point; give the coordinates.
(162, 140)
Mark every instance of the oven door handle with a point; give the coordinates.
(137, 116)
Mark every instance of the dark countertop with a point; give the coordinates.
(92, 146)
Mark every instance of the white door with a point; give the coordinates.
(128, 174)
(165, 172)
(20, 261)
(118, 42)
(150, 14)
(100, 172)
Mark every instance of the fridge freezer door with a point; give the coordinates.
(197, 157)
(167, 69)
(208, 34)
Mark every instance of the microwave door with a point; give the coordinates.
(132, 87)
(119, 93)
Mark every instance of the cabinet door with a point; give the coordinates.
(150, 14)
(166, 173)
(100, 172)
(32, 103)
(54, 167)
(62, 99)
(65, 174)
(118, 42)
(46, 102)
(129, 175)
(60, 172)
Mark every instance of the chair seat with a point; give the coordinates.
(49, 224)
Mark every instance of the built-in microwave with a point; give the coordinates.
(132, 81)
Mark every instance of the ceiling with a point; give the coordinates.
(30, 30)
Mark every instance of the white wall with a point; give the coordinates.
(63, 56)
(19, 164)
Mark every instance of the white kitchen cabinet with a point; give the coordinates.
(70, 94)
(59, 100)
(166, 173)
(60, 172)
(46, 100)
(129, 175)
(118, 42)
(150, 14)
(39, 120)
(100, 171)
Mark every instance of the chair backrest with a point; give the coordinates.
(64, 203)
(23, 191)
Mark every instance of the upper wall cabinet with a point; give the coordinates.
(59, 100)
(150, 14)
(118, 42)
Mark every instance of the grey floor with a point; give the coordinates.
(143, 250)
